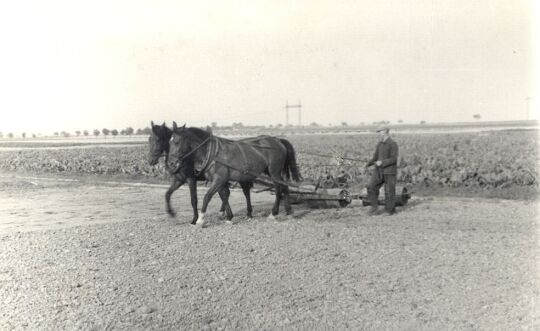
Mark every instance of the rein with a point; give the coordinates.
(195, 149)
(207, 159)
(333, 156)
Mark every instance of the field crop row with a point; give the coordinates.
(485, 160)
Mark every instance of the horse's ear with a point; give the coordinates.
(163, 124)
(152, 124)
(208, 129)
(174, 126)
(183, 127)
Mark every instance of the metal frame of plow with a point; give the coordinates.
(314, 195)
(317, 197)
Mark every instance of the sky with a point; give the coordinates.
(75, 65)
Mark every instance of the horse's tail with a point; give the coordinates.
(291, 167)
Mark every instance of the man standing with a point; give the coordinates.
(385, 160)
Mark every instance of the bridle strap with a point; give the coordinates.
(195, 149)
(209, 153)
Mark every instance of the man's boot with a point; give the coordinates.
(372, 210)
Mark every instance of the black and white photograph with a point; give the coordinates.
(269, 165)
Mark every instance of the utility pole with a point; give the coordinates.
(287, 113)
(297, 106)
(299, 113)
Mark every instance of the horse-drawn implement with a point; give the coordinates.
(195, 155)
(324, 194)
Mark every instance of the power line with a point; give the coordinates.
(240, 115)
(297, 106)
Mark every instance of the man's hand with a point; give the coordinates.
(378, 163)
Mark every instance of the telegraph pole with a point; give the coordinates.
(287, 113)
(299, 113)
(297, 106)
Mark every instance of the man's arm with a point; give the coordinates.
(374, 158)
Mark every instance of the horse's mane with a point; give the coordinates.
(162, 131)
(198, 132)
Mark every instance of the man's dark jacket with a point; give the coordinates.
(386, 152)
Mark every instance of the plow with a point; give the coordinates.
(322, 195)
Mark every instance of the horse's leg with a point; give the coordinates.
(282, 191)
(217, 185)
(275, 208)
(192, 182)
(286, 202)
(175, 184)
(224, 194)
(246, 188)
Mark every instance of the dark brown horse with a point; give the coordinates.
(159, 146)
(223, 160)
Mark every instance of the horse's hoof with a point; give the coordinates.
(229, 222)
(271, 217)
(171, 213)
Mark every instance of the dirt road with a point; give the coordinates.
(33, 203)
(79, 255)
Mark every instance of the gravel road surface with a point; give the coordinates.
(103, 256)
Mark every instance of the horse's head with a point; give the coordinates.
(158, 142)
(179, 145)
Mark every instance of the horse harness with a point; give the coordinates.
(216, 146)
